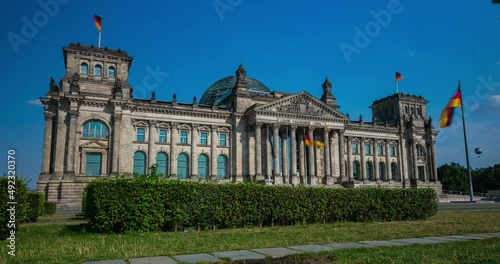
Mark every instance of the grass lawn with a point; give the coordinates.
(70, 243)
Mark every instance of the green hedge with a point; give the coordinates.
(20, 195)
(49, 208)
(36, 206)
(129, 205)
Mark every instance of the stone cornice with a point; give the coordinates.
(371, 129)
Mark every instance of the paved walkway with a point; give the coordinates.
(280, 252)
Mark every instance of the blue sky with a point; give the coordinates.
(288, 45)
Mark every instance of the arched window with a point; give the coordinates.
(394, 172)
(93, 164)
(182, 166)
(140, 162)
(95, 129)
(162, 163)
(84, 68)
(381, 171)
(98, 70)
(111, 72)
(406, 109)
(369, 171)
(355, 170)
(222, 167)
(412, 111)
(202, 166)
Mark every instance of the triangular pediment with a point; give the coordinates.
(303, 104)
(94, 144)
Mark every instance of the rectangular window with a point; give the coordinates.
(222, 140)
(184, 137)
(204, 138)
(162, 136)
(141, 132)
(380, 150)
(421, 174)
(393, 150)
(368, 149)
(355, 148)
(93, 164)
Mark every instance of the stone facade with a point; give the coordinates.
(95, 128)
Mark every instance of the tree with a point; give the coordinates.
(453, 176)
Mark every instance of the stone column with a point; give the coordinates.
(302, 158)
(269, 158)
(276, 148)
(47, 146)
(362, 166)
(434, 167)
(375, 160)
(173, 150)
(414, 160)
(310, 158)
(388, 162)
(335, 155)
(117, 118)
(350, 174)
(151, 144)
(293, 154)
(60, 145)
(403, 165)
(258, 151)
(341, 155)
(194, 154)
(70, 166)
(328, 172)
(213, 150)
(284, 155)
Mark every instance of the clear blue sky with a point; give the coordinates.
(288, 45)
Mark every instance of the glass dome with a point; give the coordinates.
(222, 89)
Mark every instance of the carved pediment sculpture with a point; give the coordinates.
(301, 105)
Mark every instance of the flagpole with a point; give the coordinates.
(268, 176)
(397, 87)
(99, 43)
(466, 146)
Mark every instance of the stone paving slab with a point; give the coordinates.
(382, 243)
(153, 260)
(443, 239)
(311, 248)
(276, 252)
(193, 258)
(347, 245)
(482, 235)
(239, 254)
(115, 261)
(462, 237)
(415, 241)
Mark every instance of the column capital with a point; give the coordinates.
(293, 127)
(311, 128)
(73, 114)
(49, 116)
(276, 126)
(195, 126)
(175, 125)
(214, 128)
(117, 117)
(258, 124)
(152, 123)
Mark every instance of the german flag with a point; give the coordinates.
(399, 76)
(308, 140)
(447, 114)
(98, 22)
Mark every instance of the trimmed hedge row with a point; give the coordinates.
(21, 208)
(49, 208)
(126, 205)
(35, 200)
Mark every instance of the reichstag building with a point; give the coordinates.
(239, 130)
